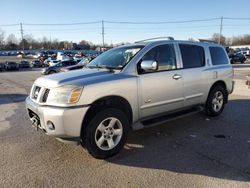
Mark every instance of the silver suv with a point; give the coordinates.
(131, 87)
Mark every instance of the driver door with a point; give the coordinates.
(162, 90)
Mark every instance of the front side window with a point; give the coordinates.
(59, 64)
(218, 56)
(164, 55)
(192, 56)
(115, 58)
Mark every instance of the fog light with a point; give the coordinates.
(50, 125)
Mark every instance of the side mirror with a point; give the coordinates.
(149, 65)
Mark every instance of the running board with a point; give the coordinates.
(166, 118)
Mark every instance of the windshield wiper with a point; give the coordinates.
(105, 67)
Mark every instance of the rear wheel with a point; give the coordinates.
(106, 133)
(216, 101)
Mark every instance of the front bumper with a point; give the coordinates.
(67, 121)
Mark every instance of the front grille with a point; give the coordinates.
(45, 95)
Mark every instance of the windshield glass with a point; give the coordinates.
(115, 58)
(82, 61)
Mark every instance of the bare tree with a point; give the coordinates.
(11, 42)
(2, 35)
(216, 37)
(11, 39)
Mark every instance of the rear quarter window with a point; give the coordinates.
(192, 56)
(218, 56)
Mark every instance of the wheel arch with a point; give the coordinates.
(107, 102)
(221, 83)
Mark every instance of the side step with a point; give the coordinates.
(166, 118)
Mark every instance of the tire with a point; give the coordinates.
(52, 72)
(216, 101)
(108, 124)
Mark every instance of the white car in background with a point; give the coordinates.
(53, 62)
(246, 53)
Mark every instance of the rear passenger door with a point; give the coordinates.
(193, 65)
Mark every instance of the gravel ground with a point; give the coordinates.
(194, 151)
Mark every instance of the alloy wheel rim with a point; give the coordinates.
(217, 101)
(108, 133)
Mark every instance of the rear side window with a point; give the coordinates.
(218, 56)
(192, 56)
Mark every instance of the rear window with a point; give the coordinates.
(192, 56)
(218, 56)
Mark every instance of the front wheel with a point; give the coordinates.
(216, 101)
(106, 133)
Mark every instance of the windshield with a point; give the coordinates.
(82, 62)
(115, 58)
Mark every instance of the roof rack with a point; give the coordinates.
(156, 38)
(208, 41)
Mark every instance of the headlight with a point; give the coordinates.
(67, 94)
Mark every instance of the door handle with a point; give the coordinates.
(177, 77)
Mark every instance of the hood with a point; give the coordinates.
(77, 77)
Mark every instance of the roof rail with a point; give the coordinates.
(208, 41)
(156, 38)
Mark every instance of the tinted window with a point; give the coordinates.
(192, 56)
(66, 63)
(218, 56)
(164, 55)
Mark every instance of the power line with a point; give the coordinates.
(230, 18)
(163, 22)
(126, 22)
(63, 24)
(9, 25)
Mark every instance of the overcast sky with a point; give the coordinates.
(75, 11)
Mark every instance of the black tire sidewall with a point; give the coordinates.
(52, 72)
(209, 108)
(89, 135)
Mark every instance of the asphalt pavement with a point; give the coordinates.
(195, 151)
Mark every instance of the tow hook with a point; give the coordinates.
(35, 122)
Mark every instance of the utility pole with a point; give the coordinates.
(103, 34)
(221, 24)
(50, 42)
(21, 29)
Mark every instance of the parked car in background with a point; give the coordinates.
(11, 66)
(53, 62)
(24, 64)
(36, 63)
(1, 66)
(246, 53)
(237, 57)
(79, 65)
(56, 68)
